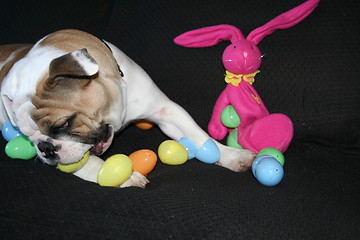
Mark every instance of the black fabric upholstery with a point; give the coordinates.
(309, 72)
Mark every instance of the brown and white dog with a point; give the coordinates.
(70, 92)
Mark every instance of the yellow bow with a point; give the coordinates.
(236, 79)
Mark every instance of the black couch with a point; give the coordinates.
(310, 72)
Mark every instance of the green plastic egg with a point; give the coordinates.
(273, 152)
(20, 148)
(229, 117)
(232, 140)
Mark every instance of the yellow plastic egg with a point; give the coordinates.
(173, 153)
(115, 171)
(73, 167)
(143, 161)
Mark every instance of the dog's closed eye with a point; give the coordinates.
(65, 126)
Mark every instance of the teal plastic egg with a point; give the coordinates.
(229, 117)
(20, 148)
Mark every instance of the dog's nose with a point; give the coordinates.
(48, 150)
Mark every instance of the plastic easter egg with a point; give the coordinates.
(256, 161)
(229, 117)
(268, 171)
(115, 171)
(189, 146)
(274, 153)
(10, 132)
(208, 152)
(232, 139)
(73, 167)
(173, 153)
(20, 148)
(143, 161)
(144, 124)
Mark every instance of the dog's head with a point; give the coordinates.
(69, 110)
(70, 107)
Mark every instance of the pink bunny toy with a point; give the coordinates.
(242, 58)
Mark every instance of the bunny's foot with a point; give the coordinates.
(275, 130)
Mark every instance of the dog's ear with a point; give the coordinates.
(72, 69)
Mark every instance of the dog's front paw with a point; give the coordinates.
(135, 180)
(238, 160)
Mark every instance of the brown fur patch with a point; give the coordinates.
(89, 102)
(71, 40)
(66, 72)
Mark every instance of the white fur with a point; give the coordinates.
(90, 67)
(133, 103)
(19, 86)
(172, 119)
(90, 170)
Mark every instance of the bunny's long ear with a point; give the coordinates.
(283, 21)
(209, 36)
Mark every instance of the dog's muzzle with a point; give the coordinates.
(68, 150)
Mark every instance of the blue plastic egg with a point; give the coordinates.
(10, 132)
(189, 146)
(267, 170)
(208, 152)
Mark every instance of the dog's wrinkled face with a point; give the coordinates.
(70, 105)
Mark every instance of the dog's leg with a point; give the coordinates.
(90, 171)
(146, 101)
(136, 180)
(175, 122)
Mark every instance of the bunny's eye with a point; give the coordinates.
(234, 47)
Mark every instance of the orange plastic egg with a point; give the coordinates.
(143, 161)
(144, 124)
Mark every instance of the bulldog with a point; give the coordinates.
(71, 92)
